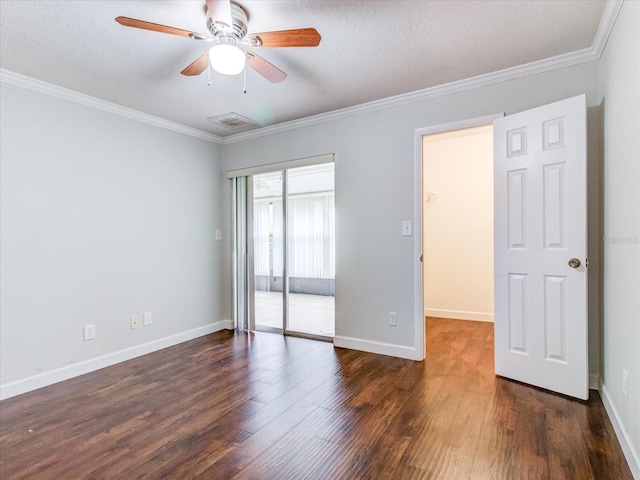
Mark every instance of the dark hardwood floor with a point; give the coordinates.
(265, 406)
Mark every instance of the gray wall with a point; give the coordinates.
(620, 94)
(374, 190)
(103, 218)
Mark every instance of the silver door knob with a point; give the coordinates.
(574, 263)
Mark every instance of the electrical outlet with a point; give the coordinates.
(393, 319)
(147, 319)
(625, 383)
(135, 322)
(89, 332)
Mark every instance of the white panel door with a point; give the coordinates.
(541, 246)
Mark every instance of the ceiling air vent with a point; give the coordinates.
(232, 122)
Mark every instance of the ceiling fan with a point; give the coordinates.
(227, 25)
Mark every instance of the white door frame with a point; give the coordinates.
(420, 343)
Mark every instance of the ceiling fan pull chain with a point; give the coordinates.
(244, 75)
(209, 74)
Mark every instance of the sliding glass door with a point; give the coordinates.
(293, 251)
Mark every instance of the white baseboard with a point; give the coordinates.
(381, 348)
(630, 453)
(44, 379)
(594, 381)
(458, 315)
(226, 325)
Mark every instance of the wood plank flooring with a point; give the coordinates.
(263, 406)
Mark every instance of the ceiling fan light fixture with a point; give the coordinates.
(226, 58)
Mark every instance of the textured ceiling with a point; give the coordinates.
(370, 50)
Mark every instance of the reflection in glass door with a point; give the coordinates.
(294, 274)
(311, 250)
(268, 251)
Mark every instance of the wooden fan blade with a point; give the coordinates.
(220, 12)
(300, 37)
(155, 27)
(264, 68)
(198, 66)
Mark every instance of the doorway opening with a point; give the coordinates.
(458, 227)
(540, 241)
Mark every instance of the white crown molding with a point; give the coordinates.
(609, 16)
(23, 81)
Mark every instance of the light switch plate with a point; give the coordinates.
(407, 228)
(147, 319)
(218, 234)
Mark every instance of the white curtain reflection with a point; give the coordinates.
(311, 237)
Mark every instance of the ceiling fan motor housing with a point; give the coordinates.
(240, 19)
